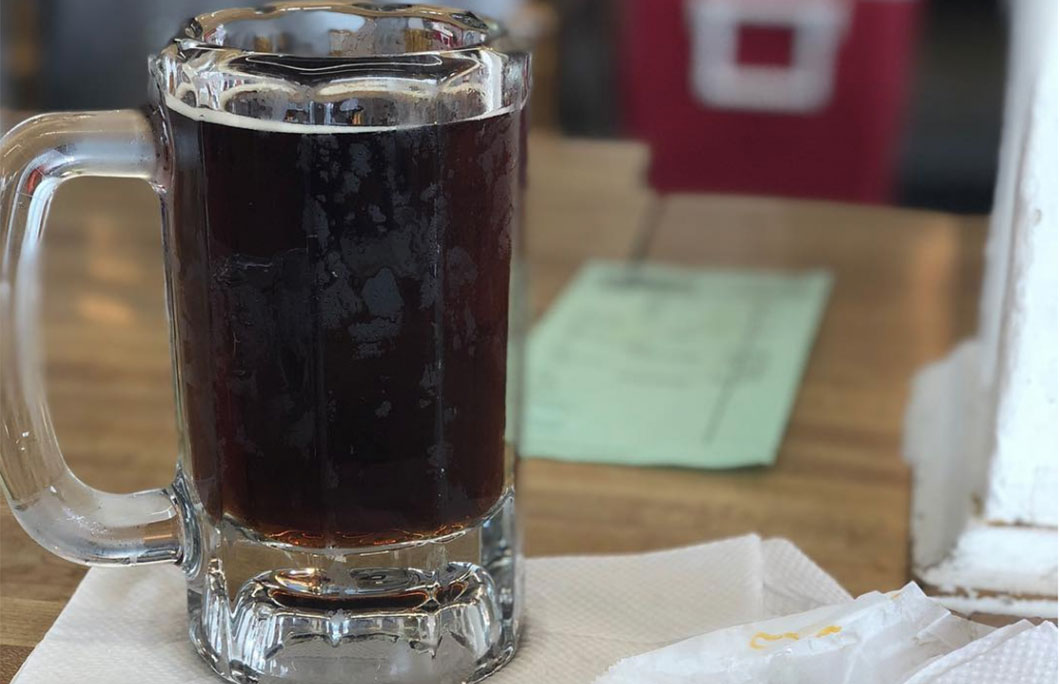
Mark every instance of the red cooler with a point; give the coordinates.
(801, 98)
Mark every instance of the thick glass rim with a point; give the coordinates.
(457, 29)
(341, 66)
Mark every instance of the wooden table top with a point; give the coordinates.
(906, 289)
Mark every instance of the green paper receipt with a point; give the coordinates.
(659, 365)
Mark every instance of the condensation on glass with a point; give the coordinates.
(341, 189)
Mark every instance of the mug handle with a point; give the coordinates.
(61, 513)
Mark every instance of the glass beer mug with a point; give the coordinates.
(341, 193)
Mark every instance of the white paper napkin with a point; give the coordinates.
(1016, 654)
(125, 626)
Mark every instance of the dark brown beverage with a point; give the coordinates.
(341, 308)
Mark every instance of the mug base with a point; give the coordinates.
(442, 610)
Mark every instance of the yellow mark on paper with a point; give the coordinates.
(771, 637)
(758, 639)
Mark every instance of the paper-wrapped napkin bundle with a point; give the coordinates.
(900, 637)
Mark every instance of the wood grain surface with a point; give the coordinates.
(905, 291)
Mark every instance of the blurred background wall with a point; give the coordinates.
(950, 148)
(73, 54)
(592, 62)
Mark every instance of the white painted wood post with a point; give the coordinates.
(981, 430)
